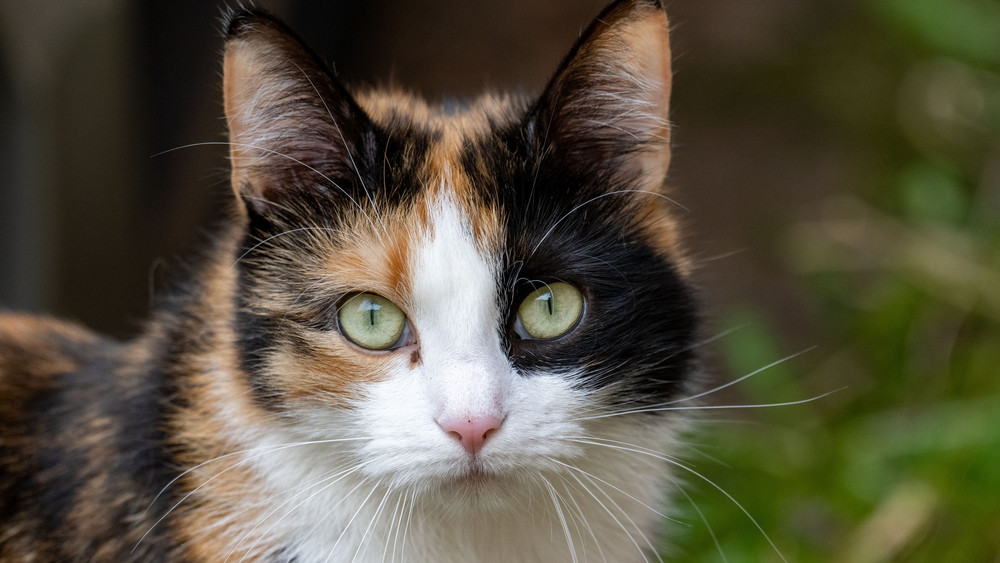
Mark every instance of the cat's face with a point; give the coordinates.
(465, 299)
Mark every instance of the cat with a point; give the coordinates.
(423, 334)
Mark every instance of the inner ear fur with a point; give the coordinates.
(292, 125)
(609, 101)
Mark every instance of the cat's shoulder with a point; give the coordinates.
(36, 349)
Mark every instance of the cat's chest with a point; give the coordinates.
(289, 498)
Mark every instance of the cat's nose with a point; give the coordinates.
(471, 431)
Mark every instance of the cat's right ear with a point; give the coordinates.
(293, 129)
(606, 109)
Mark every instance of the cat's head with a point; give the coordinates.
(466, 296)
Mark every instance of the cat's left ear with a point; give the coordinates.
(607, 106)
(294, 130)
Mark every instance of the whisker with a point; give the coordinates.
(714, 407)
(247, 460)
(581, 515)
(554, 495)
(334, 507)
(365, 537)
(232, 517)
(246, 451)
(347, 148)
(663, 407)
(708, 526)
(282, 155)
(596, 441)
(611, 514)
(705, 342)
(745, 377)
(409, 519)
(694, 346)
(393, 525)
(710, 482)
(332, 475)
(281, 234)
(592, 200)
(592, 476)
(361, 506)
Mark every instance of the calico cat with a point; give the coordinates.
(423, 335)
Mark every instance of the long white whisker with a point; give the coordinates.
(241, 452)
(232, 517)
(393, 526)
(582, 517)
(747, 376)
(337, 504)
(610, 513)
(406, 530)
(340, 133)
(716, 407)
(748, 406)
(710, 482)
(704, 342)
(333, 477)
(562, 518)
(659, 406)
(276, 153)
(592, 476)
(210, 479)
(638, 529)
(351, 521)
(281, 234)
(596, 440)
(365, 537)
(701, 515)
(592, 200)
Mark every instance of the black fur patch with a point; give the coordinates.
(561, 225)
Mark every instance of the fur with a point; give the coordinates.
(244, 424)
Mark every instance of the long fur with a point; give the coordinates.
(245, 424)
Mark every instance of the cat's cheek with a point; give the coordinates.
(326, 371)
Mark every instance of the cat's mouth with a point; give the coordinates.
(474, 476)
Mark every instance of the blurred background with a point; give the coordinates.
(840, 161)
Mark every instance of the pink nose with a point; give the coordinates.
(471, 431)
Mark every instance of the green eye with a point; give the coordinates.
(549, 312)
(371, 321)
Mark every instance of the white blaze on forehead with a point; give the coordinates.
(455, 312)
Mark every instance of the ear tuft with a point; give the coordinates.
(239, 21)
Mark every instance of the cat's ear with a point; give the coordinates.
(607, 105)
(293, 128)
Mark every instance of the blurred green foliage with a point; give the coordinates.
(902, 462)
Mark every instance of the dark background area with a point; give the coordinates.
(840, 161)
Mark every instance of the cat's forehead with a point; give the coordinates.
(446, 122)
(443, 227)
(448, 135)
